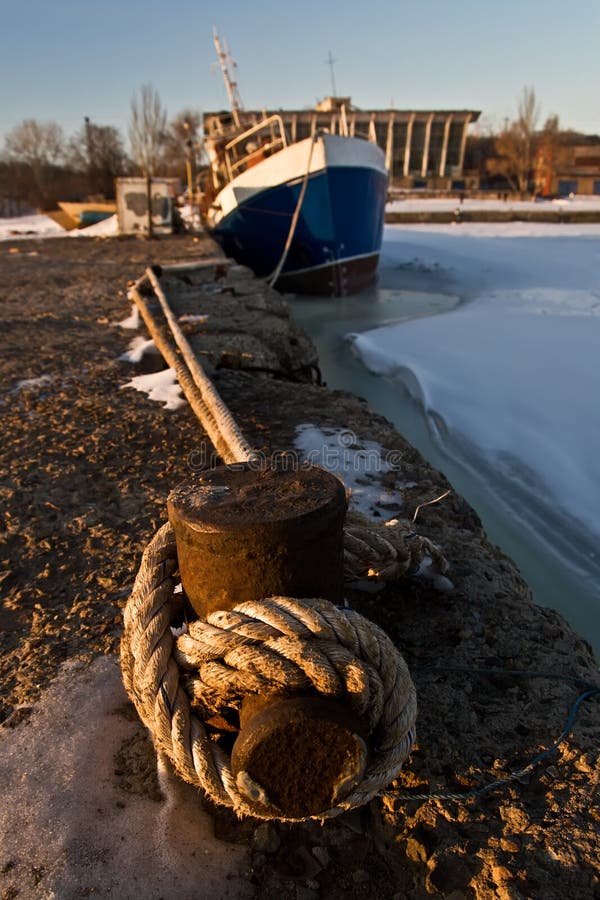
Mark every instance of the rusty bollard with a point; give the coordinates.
(247, 533)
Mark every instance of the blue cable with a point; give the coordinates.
(590, 690)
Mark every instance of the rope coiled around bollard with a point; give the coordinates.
(267, 645)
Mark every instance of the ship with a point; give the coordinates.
(306, 215)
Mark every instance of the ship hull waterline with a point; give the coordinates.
(337, 239)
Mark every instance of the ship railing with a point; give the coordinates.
(254, 145)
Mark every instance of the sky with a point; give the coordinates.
(62, 60)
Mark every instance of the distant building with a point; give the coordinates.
(578, 171)
(424, 149)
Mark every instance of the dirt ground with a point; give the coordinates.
(86, 469)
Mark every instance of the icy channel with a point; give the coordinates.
(482, 348)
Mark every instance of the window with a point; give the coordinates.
(567, 186)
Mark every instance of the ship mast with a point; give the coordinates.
(330, 62)
(227, 67)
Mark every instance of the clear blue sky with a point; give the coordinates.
(64, 59)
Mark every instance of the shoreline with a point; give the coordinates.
(448, 210)
(575, 217)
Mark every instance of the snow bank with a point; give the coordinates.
(449, 204)
(505, 383)
(76, 822)
(105, 228)
(29, 226)
(42, 226)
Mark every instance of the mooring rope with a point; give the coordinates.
(192, 392)
(296, 216)
(386, 551)
(272, 644)
(178, 678)
(228, 427)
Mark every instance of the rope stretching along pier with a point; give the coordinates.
(281, 644)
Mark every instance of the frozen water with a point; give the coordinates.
(500, 390)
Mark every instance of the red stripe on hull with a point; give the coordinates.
(336, 280)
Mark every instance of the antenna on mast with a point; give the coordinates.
(330, 62)
(227, 67)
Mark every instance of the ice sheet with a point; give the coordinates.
(510, 379)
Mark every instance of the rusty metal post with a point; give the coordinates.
(149, 202)
(246, 533)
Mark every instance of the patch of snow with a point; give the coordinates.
(161, 387)
(440, 582)
(358, 463)
(105, 228)
(190, 216)
(138, 346)
(132, 321)
(28, 383)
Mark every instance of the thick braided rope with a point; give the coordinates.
(386, 551)
(269, 645)
(227, 428)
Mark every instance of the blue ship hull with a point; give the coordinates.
(336, 244)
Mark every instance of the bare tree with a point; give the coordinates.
(39, 147)
(98, 151)
(36, 143)
(516, 145)
(147, 125)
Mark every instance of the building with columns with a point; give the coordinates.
(423, 148)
